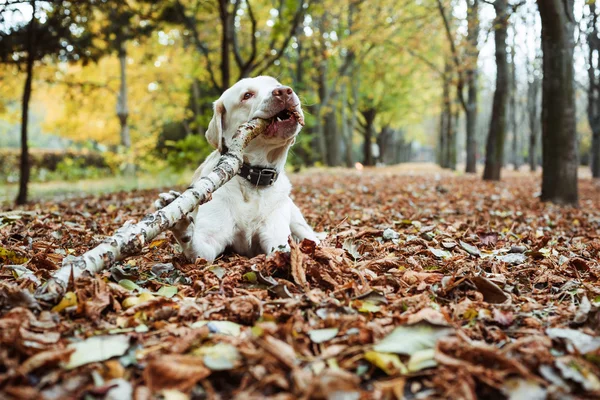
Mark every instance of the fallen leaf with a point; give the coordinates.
(409, 339)
(472, 250)
(522, 389)
(161, 268)
(570, 368)
(579, 341)
(439, 253)
(390, 234)
(44, 359)
(513, 258)
(297, 265)
(68, 300)
(373, 296)
(175, 371)
(322, 335)
(429, 315)
(12, 296)
(368, 307)
(388, 363)
(351, 248)
(504, 318)
(218, 271)
(11, 257)
(421, 359)
(490, 291)
(448, 245)
(488, 238)
(581, 315)
(97, 348)
(129, 285)
(220, 357)
(221, 327)
(167, 291)
(281, 291)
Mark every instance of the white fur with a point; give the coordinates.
(251, 220)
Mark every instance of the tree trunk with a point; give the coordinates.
(332, 135)
(369, 126)
(452, 135)
(123, 111)
(226, 40)
(299, 75)
(196, 106)
(24, 162)
(445, 120)
(516, 157)
(354, 83)
(559, 136)
(471, 74)
(347, 134)
(593, 107)
(441, 153)
(320, 128)
(494, 154)
(595, 152)
(533, 111)
(471, 127)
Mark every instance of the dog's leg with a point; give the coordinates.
(209, 234)
(298, 225)
(274, 234)
(202, 238)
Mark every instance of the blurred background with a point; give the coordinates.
(109, 95)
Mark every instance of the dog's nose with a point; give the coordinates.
(283, 92)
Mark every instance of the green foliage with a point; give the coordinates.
(48, 165)
(74, 169)
(188, 152)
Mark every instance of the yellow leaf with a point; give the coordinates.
(157, 243)
(130, 302)
(69, 300)
(388, 363)
(11, 257)
(145, 296)
(368, 307)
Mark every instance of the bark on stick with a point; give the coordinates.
(132, 237)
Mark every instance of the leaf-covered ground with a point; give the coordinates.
(427, 285)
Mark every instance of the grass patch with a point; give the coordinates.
(60, 190)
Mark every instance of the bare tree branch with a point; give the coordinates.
(267, 61)
(460, 84)
(190, 23)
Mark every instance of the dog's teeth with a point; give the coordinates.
(279, 119)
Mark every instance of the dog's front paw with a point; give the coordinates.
(164, 199)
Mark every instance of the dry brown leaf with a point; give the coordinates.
(174, 371)
(297, 265)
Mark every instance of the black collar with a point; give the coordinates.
(259, 176)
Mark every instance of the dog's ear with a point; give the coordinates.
(214, 133)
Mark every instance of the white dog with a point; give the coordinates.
(253, 212)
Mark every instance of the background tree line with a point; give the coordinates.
(382, 82)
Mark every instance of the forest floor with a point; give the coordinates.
(426, 285)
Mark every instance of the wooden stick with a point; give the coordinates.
(131, 238)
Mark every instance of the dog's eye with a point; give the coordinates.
(248, 95)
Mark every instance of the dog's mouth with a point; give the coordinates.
(283, 115)
(284, 121)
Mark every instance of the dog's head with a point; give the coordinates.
(261, 97)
